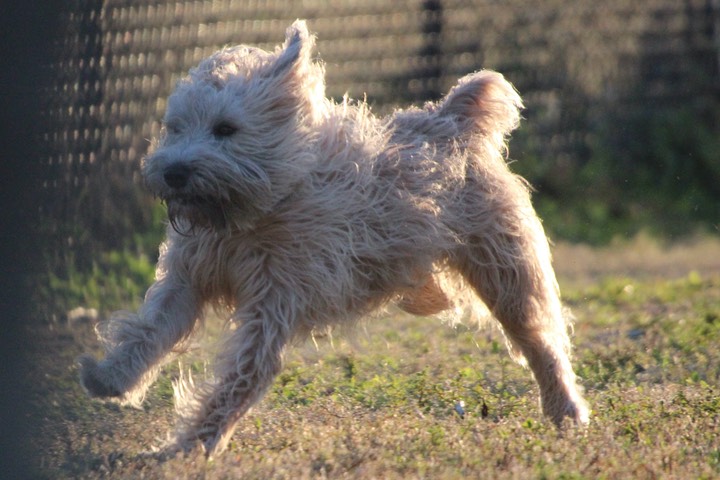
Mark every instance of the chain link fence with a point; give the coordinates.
(582, 66)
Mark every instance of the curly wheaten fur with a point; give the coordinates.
(296, 213)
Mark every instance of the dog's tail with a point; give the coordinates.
(482, 103)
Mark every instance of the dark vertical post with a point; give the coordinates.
(28, 28)
(431, 53)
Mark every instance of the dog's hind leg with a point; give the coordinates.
(507, 262)
(136, 344)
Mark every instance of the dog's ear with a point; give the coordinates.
(296, 75)
(296, 50)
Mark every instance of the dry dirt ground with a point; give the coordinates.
(381, 404)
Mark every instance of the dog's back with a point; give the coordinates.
(483, 105)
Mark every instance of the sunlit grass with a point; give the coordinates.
(381, 402)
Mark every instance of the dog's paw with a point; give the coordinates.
(576, 414)
(165, 453)
(93, 379)
(581, 413)
(209, 440)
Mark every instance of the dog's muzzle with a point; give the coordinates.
(188, 211)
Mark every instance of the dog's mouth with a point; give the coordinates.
(190, 213)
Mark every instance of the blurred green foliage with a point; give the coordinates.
(107, 280)
(115, 280)
(655, 171)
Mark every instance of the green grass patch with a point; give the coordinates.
(381, 402)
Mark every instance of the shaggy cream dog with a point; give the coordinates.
(296, 213)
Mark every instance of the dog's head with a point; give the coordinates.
(237, 133)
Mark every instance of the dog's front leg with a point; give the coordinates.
(136, 344)
(251, 359)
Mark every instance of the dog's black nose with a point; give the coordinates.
(177, 176)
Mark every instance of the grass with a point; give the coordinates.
(381, 403)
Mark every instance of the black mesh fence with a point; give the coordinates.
(582, 66)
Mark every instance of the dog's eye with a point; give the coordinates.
(224, 130)
(172, 129)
